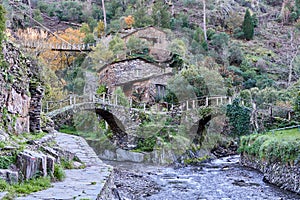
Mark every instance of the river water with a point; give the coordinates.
(220, 179)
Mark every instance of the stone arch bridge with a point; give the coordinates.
(125, 120)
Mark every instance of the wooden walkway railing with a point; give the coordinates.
(115, 100)
(58, 46)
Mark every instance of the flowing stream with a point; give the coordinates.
(220, 179)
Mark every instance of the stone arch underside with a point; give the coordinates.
(120, 137)
(116, 118)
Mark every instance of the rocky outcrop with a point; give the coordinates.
(285, 176)
(33, 164)
(17, 98)
(9, 176)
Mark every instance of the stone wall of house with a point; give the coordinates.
(284, 175)
(17, 98)
(129, 73)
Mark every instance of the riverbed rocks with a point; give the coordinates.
(284, 175)
(134, 185)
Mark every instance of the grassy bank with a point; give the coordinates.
(275, 146)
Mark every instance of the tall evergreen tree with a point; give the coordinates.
(248, 26)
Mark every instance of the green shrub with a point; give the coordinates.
(3, 185)
(59, 173)
(6, 161)
(239, 118)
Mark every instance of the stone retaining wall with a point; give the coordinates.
(283, 175)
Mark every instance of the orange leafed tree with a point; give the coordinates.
(129, 21)
(59, 60)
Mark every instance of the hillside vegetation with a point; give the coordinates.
(252, 45)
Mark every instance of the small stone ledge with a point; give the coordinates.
(283, 175)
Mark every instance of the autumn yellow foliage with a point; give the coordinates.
(129, 20)
(100, 29)
(59, 60)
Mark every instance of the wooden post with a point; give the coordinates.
(144, 106)
(187, 105)
(217, 101)
(116, 100)
(221, 100)
(106, 125)
(47, 106)
(194, 104)
(74, 101)
(230, 100)
(206, 101)
(172, 107)
(103, 97)
(70, 99)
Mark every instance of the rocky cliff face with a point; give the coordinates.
(20, 92)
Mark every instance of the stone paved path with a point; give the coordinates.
(79, 183)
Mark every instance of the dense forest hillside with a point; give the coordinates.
(252, 44)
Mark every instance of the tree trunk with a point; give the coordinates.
(292, 60)
(30, 12)
(204, 20)
(104, 14)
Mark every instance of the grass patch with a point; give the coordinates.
(195, 161)
(67, 164)
(26, 187)
(277, 146)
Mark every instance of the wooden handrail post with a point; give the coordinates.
(47, 106)
(217, 101)
(144, 106)
(187, 105)
(70, 99)
(116, 100)
(206, 101)
(194, 104)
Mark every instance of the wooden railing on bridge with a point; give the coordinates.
(116, 100)
(58, 46)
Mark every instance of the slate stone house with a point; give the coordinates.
(140, 79)
(157, 40)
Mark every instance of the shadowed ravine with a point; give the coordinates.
(219, 179)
